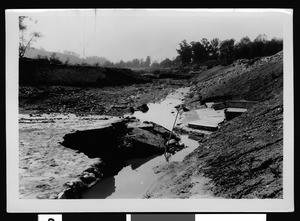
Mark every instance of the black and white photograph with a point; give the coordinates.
(164, 109)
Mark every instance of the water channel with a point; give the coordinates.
(133, 181)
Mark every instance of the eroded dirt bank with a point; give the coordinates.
(243, 159)
(38, 72)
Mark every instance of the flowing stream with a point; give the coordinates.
(133, 181)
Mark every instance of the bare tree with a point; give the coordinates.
(24, 42)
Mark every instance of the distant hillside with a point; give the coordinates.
(34, 52)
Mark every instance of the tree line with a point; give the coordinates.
(200, 52)
(134, 63)
(228, 50)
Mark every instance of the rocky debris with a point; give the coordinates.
(144, 108)
(270, 59)
(173, 146)
(88, 178)
(198, 136)
(171, 142)
(115, 101)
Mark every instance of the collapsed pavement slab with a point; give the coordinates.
(240, 104)
(219, 105)
(233, 108)
(201, 126)
(204, 120)
(122, 140)
(231, 113)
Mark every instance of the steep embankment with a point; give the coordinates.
(39, 72)
(244, 158)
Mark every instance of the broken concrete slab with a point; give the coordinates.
(117, 139)
(144, 143)
(240, 110)
(162, 131)
(141, 125)
(240, 104)
(202, 126)
(231, 113)
(204, 120)
(219, 106)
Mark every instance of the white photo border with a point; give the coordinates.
(14, 204)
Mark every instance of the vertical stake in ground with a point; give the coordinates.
(178, 108)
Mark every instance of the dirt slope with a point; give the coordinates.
(244, 158)
(259, 84)
(36, 72)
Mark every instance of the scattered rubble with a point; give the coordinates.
(115, 101)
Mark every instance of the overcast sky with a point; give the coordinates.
(128, 34)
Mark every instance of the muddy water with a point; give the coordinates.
(133, 181)
(164, 113)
